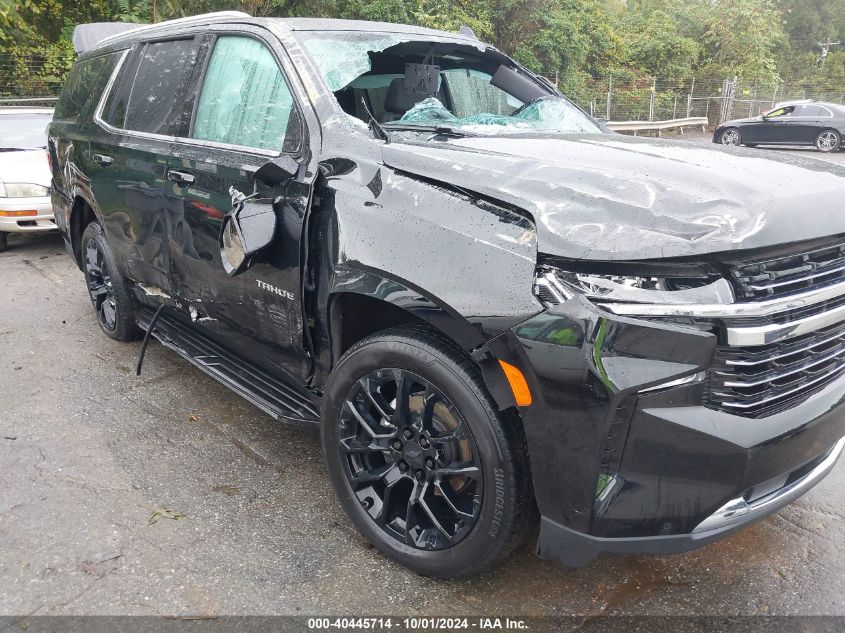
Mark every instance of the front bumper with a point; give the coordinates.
(41, 221)
(576, 549)
(624, 455)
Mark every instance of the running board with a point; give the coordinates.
(276, 397)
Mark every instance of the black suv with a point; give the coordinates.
(487, 302)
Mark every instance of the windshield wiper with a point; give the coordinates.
(18, 149)
(375, 126)
(439, 130)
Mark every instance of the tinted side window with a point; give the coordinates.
(114, 110)
(813, 111)
(245, 99)
(85, 83)
(157, 92)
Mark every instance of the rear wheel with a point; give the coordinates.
(426, 467)
(828, 141)
(731, 136)
(110, 294)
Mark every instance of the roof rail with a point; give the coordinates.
(188, 20)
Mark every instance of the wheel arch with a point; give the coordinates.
(364, 302)
(82, 213)
(731, 128)
(355, 313)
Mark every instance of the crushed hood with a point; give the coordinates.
(25, 166)
(612, 197)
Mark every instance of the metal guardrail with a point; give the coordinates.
(658, 126)
(26, 100)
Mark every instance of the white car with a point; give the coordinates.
(24, 172)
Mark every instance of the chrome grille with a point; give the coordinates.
(764, 380)
(781, 338)
(790, 274)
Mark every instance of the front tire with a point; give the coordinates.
(424, 464)
(4, 244)
(731, 137)
(828, 141)
(110, 294)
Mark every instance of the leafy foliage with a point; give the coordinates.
(574, 42)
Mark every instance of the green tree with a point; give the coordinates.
(654, 41)
(576, 41)
(808, 22)
(740, 37)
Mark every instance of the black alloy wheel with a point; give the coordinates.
(426, 465)
(411, 459)
(98, 277)
(110, 293)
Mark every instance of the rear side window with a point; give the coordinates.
(813, 111)
(114, 110)
(155, 99)
(245, 99)
(84, 84)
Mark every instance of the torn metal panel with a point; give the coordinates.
(415, 234)
(610, 197)
(153, 291)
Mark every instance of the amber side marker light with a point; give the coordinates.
(519, 386)
(17, 214)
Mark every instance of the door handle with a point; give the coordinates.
(180, 177)
(102, 159)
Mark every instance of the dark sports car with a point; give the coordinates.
(794, 123)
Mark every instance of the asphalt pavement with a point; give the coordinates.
(169, 495)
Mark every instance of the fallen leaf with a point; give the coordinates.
(164, 513)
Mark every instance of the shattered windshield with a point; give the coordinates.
(413, 82)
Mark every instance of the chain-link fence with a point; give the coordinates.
(27, 78)
(654, 99)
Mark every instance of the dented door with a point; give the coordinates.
(244, 116)
(144, 111)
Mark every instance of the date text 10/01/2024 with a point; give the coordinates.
(414, 624)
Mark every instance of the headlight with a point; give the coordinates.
(624, 293)
(22, 190)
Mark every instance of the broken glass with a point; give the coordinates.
(469, 97)
(548, 114)
(342, 60)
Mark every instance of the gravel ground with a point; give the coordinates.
(91, 455)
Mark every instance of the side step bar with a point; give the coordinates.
(269, 393)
